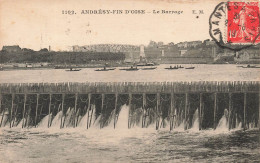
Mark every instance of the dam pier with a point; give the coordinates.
(204, 105)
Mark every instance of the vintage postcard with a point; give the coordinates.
(129, 81)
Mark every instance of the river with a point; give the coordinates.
(42, 144)
(137, 144)
(202, 72)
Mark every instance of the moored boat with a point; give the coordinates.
(101, 70)
(171, 68)
(105, 69)
(189, 67)
(73, 69)
(250, 66)
(149, 68)
(130, 69)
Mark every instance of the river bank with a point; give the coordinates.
(42, 66)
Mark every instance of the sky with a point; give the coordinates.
(39, 24)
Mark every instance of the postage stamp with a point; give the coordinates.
(235, 25)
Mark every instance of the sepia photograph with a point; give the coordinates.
(87, 81)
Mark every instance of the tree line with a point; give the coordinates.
(59, 57)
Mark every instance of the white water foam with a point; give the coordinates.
(122, 122)
(43, 123)
(20, 123)
(89, 120)
(57, 120)
(223, 123)
(180, 127)
(195, 121)
(4, 119)
(83, 121)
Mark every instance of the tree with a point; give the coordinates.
(44, 50)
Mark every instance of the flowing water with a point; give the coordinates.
(195, 121)
(121, 144)
(87, 142)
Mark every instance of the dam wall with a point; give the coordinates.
(159, 103)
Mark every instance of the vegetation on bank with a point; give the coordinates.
(58, 57)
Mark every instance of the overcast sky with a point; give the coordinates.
(37, 24)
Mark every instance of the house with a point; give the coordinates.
(12, 49)
(189, 44)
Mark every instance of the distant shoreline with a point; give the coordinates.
(8, 67)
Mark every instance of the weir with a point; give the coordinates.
(196, 105)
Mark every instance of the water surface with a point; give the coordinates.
(133, 145)
(202, 72)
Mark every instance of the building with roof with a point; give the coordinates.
(12, 49)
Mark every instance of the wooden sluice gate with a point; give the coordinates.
(162, 104)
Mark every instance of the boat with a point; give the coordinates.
(130, 69)
(73, 69)
(189, 67)
(145, 64)
(149, 68)
(250, 66)
(171, 68)
(111, 68)
(101, 70)
(105, 69)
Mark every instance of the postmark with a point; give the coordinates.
(235, 25)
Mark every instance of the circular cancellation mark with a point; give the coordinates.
(235, 25)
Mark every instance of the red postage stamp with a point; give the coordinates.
(243, 22)
(235, 25)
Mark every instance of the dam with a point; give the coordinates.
(198, 104)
